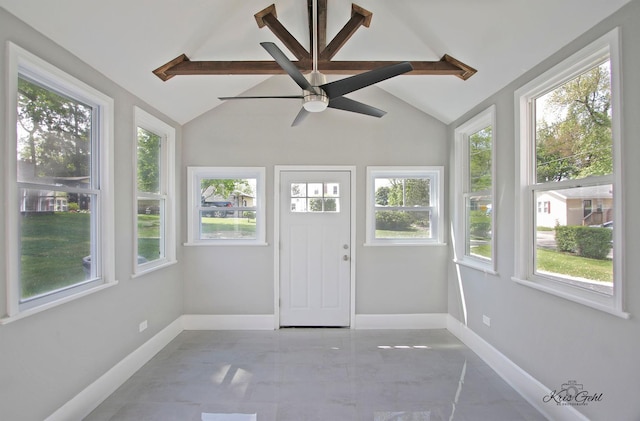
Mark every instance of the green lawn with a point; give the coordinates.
(148, 226)
(149, 236)
(413, 232)
(565, 264)
(577, 266)
(52, 247)
(483, 250)
(231, 228)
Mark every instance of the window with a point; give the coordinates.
(404, 206)
(475, 213)
(315, 197)
(60, 212)
(226, 206)
(154, 244)
(569, 154)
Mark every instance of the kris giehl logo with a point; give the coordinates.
(572, 393)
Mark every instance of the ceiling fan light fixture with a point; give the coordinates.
(317, 100)
(315, 103)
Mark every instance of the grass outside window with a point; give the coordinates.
(228, 227)
(53, 246)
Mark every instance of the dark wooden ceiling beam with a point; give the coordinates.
(161, 71)
(359, 17)
(442, 67)
(181, 65)
(448, 66)
(468, 70)
(268, 18)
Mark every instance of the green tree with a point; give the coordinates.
(148, 161)
(54, 132)
(574, 138)
(480, 160)
(409, 192)
(223, 188)
(382, 196)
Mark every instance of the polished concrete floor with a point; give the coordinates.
(315, 374)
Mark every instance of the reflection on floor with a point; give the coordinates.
(316, 374)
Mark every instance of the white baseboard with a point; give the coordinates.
(401, 321)
(228, 322)
(93, 395)
(525, 384)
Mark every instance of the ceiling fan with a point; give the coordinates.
(319, 95)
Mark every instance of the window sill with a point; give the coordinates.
(55, 303)
(476, 265)
(583, 299)
(143, 270)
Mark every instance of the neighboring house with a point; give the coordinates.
(241, 199)
(583, 206)
(33, 200)
(43, 201)
(237, 198)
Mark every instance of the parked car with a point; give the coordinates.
(218, 213)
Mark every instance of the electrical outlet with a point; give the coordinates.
(486, 320)
(143, 325)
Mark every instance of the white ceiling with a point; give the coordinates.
(127, 39)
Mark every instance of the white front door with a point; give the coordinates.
(315, 248)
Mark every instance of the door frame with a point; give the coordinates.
(278, 170)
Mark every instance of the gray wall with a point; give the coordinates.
(239, 280)
(553, 339)
(48, 358)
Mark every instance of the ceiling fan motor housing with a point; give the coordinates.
(317, 101)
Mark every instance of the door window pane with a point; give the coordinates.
(315, 197)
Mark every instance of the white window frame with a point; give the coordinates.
(436, 174)
(22, 62)
(462, 134)
(166, 195)
(607, 45)
(195, 174)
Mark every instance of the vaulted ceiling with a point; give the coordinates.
(127, 39)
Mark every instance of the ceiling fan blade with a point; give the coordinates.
(301, 116)
(225, 98)
(353, 83)
(287, 65)
(346, 104)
